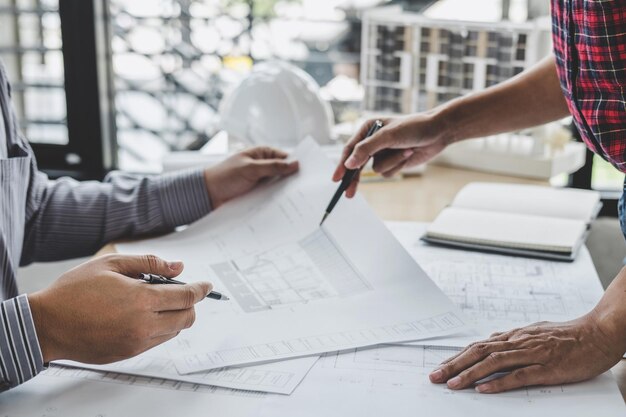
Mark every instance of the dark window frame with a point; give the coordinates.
(91, 150)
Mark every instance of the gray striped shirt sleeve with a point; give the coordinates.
(67, 219)
(20, 355)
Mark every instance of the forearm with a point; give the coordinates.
(529, 99)
(610, 312)
(20, 355)
(72, 219)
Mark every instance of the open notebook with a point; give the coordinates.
(517, 219)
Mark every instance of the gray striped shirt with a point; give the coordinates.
(44, 220)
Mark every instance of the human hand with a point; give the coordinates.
(402, 142)
(540, 354)
(242, 172)
(98, 313)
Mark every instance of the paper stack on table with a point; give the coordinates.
(498, 293)
(299, 291)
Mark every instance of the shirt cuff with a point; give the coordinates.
(20, 353)
(183, 197)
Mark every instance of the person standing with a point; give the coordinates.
(584, 78)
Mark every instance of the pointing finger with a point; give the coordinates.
(387, 160)
(367, 148)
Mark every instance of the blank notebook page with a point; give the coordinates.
(507, 230)
(529, 199)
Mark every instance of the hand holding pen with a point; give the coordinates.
(403, 142)
(160, 279)
(349, 175)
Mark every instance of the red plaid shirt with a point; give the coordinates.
(590, 48)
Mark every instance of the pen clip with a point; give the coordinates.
(153, 279)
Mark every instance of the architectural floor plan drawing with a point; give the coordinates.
(294, 273)
(405, 358)
(143, 381)
(298, 289)
(532, 291)
(393, 381)
(67, 392)
(277, 377)
(498, 292)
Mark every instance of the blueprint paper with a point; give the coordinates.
(362, 382)
(276, 377)
(298, 289)
(68, 392)
(393, 381)
(498, 292)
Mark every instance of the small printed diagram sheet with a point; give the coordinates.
(498, 292)
(276, 377)
(298, 289)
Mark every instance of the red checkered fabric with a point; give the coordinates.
(590, 48)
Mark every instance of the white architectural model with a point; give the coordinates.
(412, 63)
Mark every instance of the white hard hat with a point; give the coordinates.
(277, 104)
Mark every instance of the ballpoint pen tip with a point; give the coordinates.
(324, 219)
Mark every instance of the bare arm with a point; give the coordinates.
(545, 353)
(529, 99)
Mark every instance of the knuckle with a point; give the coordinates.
(189, 297)
(152, 261)
(481, 349)
(494, 357)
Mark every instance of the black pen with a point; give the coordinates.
(159, 279)
(349, 176)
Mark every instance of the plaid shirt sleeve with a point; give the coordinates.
(590, 48)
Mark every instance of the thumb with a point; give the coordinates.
(132, 266)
